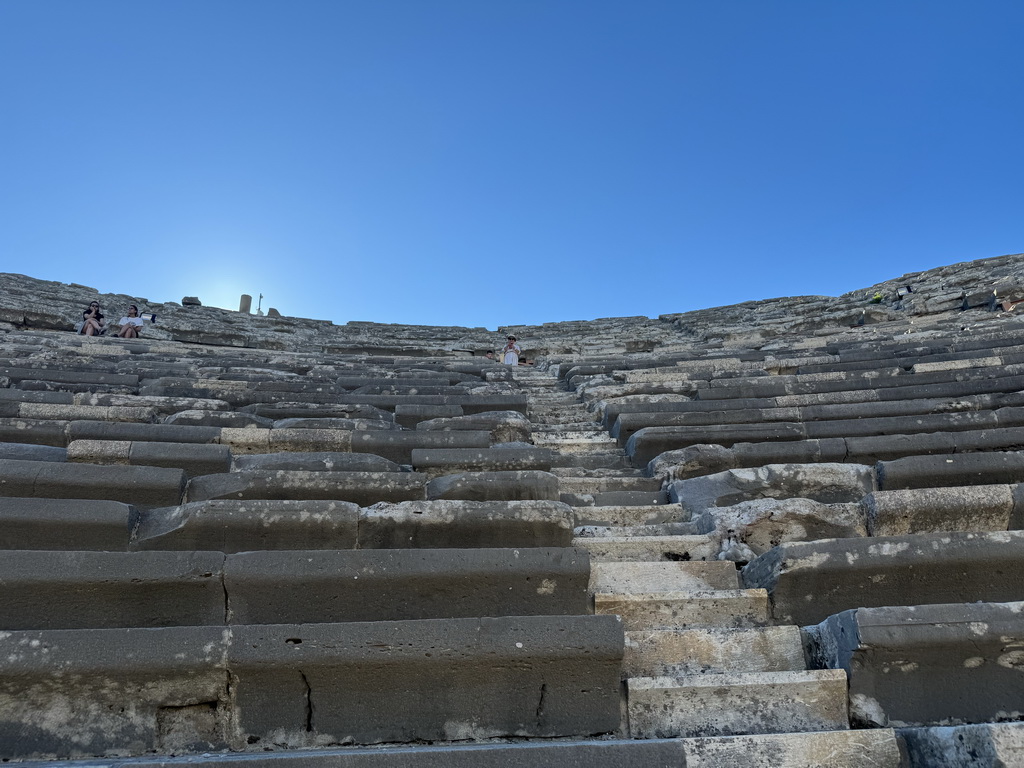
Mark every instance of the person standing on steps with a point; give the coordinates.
(510, 354)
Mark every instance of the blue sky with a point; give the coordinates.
(491, 162)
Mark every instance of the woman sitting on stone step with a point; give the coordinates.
(92, 321)
(130, 324)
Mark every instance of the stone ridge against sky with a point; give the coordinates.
(486, 164)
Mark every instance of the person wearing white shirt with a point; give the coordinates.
(130, 324)
(511, 352)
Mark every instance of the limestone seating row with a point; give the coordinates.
(889, 383)
(648, 442)
(926, 451)
(149, 486)
(88, 589)
(775, 503)
(991, 392)
(306, 685)
(665, 415)
(240, 526)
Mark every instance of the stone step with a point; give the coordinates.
(648, 578)
(734, 704)
(593, 460)
(566, 426)
(681, 652)
(598, 472)
(876, 748)
(627, 515)
(593, 485)
(540, 421)
(638, 531)
(573, 433)
(686, 608)
(616, 498)
(570, 443)
(650, 548)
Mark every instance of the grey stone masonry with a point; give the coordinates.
(65, 524)
(210, 688)
(964, 662)
(141, 486)
(809, 581)
(384, 585)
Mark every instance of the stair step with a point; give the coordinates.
(575, 444)
(617, 499)
(593, 460)
(646, 578)
(687, 608)
(637, 531)
(734, 704)
(592, 485)
(681, 652)
(651, 548)
(875, 748)
(627, 515)
(573, 427)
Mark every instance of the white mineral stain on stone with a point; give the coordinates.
(809, 562)
(547, 587)
(1012, 660)
(456, 731)
(4, 635)
(867, 709)
(888, 548)
(978, 627)
(974, 662)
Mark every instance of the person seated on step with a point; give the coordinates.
(510, 354)
(92, 321)
(131, 323)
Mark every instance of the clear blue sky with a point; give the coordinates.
(486, 162)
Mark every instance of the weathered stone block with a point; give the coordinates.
(361, 488)
(810, 581)
(82, 590)
(384, 585)
(930, 510)
(928, 664)
(65, 524)
(459, 524)
(83, 693)
(422, 680)
(230, 525)
(495, 486)
(729, 704)
(141, 486)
